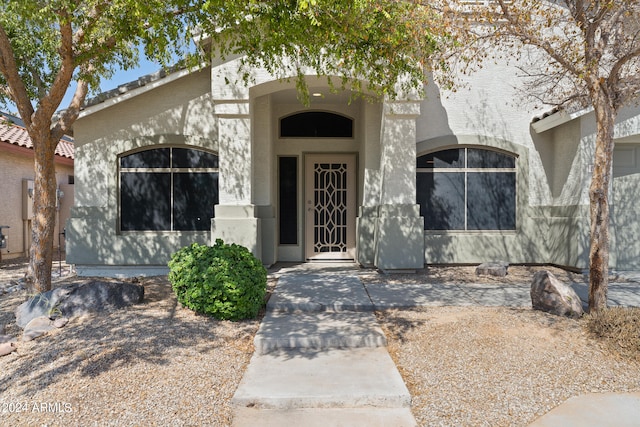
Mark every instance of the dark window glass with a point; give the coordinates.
(477, 158)
(288, 199)
(187, 158)
(316, 124)
(491, 201)
(157, 158)
(194, 196)
(441, 200)
(148, 199)
(145, 200)
(453, 158)
(467, 199)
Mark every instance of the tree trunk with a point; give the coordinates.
(599, 203)
(44, 214)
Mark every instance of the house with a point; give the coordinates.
(461, 177)
(16, 186)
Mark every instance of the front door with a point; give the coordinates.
(330, 203)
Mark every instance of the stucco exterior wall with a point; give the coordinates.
(16, 165)
(526, 244)
(241, 123)
(553, 219)
(625, 221)
(488, 104)
(177, 113)
(571, 148)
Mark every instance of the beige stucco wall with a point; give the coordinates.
(625, 221)
(16, 165)
(553, 219)
(488, 104)
(241, 123)
(177, 112)
(570, 149)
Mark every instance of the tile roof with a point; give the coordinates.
(135, 84)
(11, 132)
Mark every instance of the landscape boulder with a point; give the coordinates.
(7, 348)
(496, 268)
(6, 343)
(552, 296)
(78, 299)
(41, 325)
(37, 327)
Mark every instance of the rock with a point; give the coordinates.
(7, 348)
(101, 296)
(79, 299)
(5, 338)
(498, 268)
(43, 304)
(37, 327)
(60, 322)
(551, 295)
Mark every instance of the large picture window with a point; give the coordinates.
(168, 189)
(467, 189)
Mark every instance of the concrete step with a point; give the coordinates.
(338, 378)
(314, 293)
(320, 330)
(325, 417)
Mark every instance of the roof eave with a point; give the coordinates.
(556, 119)
(129, 94)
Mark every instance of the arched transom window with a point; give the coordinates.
(316, 124)
(168, 189)
(467, 189)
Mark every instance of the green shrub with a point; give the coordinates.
(224, 281)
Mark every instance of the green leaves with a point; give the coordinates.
(224, 281)
(372, 41)
(94, 37)
(369, 45)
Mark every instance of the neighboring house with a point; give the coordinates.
(460, 177)
(16, 186)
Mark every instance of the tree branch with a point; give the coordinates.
(51, 101)
(9, 69)
(518, 30)
(615, 73)
(71, 113)
(93, 17)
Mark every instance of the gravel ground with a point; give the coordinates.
(159, 364)
(481, 366)
(151, 364)
(496, 366)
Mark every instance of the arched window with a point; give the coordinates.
(467, 189)
(168, 188)
(316, 124)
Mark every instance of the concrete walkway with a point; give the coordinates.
(321, 357)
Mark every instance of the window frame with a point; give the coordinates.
(171, 171)
(465, 170)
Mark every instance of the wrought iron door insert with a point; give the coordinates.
(330, 206)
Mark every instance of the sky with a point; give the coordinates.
(120, 77)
